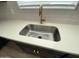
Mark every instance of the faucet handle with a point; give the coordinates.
(43, 20)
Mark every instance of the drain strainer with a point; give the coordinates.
(40, 37)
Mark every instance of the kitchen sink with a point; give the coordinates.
(41, 32)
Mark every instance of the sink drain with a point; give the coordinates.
(39, 37)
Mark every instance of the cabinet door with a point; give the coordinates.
(39, 51)
(45, 54)
(27, 48)
(49, 53)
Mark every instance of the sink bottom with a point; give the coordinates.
(40, 35)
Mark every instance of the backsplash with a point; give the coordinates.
(10, 11)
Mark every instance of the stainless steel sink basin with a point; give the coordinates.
(41, 32)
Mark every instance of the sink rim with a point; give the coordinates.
(56, 29)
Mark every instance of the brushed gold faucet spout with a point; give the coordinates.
(41, 14)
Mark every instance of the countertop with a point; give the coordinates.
(69, 35)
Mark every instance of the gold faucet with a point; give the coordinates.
(41, 14)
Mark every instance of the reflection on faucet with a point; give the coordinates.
(41, 14)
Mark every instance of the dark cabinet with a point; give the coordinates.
(27, 48)
(47, 53)
(40, 51)
(3, 42)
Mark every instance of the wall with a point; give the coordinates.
(2, 11)
(12, 12)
